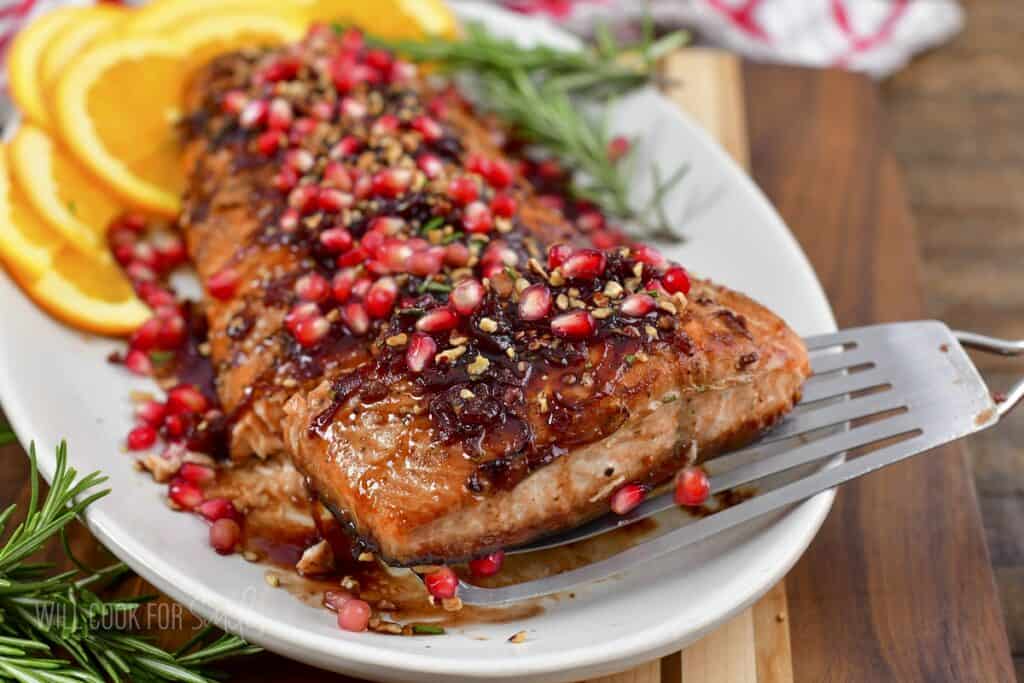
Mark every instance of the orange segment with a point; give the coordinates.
(130, 141)
(394, 19)
(74, 37)
(171, 15)
(69, 285)
(63, 193)
(24, 57)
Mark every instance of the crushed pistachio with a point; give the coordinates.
(478, 365)
(451, 355)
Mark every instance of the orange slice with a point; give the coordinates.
(118, 103)
(69, 285)
(25, 55)
(62, 192)
(74, 37)
(393, 19)
(172, 15)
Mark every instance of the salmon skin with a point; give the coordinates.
(457, 356)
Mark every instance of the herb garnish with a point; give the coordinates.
(544, 91)
(54, 629)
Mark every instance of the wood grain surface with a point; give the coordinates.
(897, 586)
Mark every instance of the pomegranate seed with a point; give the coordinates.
(155, 296)
(285, 179)
(638, 305)
(289, 221)
(310, 331)
(301, 129)
(322, 111)
(499, 174)
(279, 114)
(692, 487)
(463, 190)
(253, 114)
(341, 285)
(503, 205)
(551, 201)
(442, 583)
(282, 69)
(217, 508)
(138, 362)
(303, 198)
(336, 175)
(456, 254)
(299, 160)
(478, 163)
(584, 264)
(354, 615)
(343, 73)
(557, 255)
(196, 473)
(420, 352)
(268, 142)
(381, 297)
(170, 250)
(500, 253)
(437, 320)
(234, 102)
(427, 261)
(627, 497)
(488, 565)
(476, 219)
(124, 253)
(391, 182)
(225, 535)
(427, 127)
(534, 302)
(604, 239)
(467, 296)
(186, 398)
(379, 59)
(151, 412)
(382, 226)
(649, 255)
(352, 257)
(491, 270)
(336, 240)
(300, 312)
(144, 253)
(312, 287)
(172, 332)
(185, 494)
(352, 40)
(675, 280)
(363, 186)
(618, 147)
(347, 146)
(146, 336)
(174, 426)
(355, 316)
(589, 221)
(361, 286)
(430, 165)
(140, 272)
(330, 199)
(352, 108)
(549, 169)
(402, 71)
(385, 125)
(223, 284)
(574, 325)
(141, 438)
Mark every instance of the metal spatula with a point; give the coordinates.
(901, 389)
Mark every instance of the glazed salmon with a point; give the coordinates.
(417, 316)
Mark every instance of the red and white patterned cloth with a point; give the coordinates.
(874, 36)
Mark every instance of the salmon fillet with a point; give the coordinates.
(421, 323)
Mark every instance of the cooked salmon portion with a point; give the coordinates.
(456, 355)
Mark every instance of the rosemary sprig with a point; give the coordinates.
(544, 93)
(54, 629)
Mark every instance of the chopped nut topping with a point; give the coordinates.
(452, 604)
(517, 637)
(350, 583)
(466, 394)
(612, 290)
(478, 365)
(397, 340)
(488, 325)
(601, 313)
(667, 306)
(451, 355)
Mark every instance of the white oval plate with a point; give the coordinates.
(56, 384)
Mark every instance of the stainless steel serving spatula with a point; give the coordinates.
(901, 389)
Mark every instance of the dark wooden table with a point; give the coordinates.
(898, 585)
